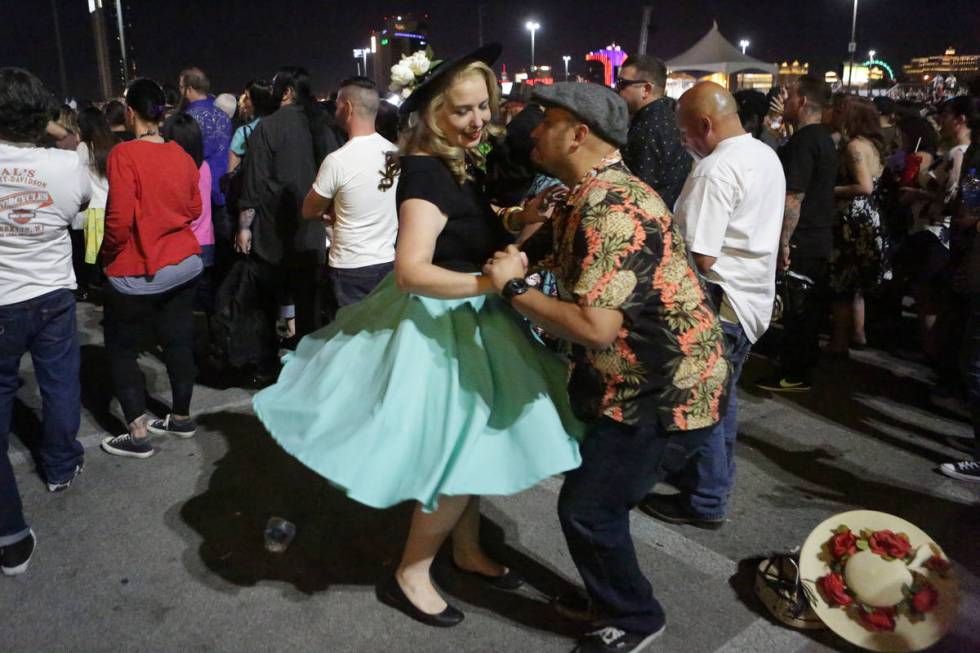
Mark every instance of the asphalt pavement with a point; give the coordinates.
(167, 554)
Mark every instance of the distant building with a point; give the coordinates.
(611, 57)
(541, 75)
(943, 64)
(595, 72)
(401, 36)
(788, 73)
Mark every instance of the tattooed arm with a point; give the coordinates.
(859, 166)
(791, 218)
(243, 237)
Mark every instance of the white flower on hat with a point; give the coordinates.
(402, 74)
(418, 62)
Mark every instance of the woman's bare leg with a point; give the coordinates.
(467, 552)
(426, 534)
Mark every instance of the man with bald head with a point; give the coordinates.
(730, 214)
(345, 193)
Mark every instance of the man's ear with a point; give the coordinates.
(580, 132)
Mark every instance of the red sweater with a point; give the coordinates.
(153, 198)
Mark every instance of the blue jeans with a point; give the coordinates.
(707, 481)
(351, 285)
(970, 366)
(45, 327)
(620, 464)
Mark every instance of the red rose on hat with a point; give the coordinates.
(832, 586)
(937, 564)
(887, 543)
(925, 599)
(878, 620)
(843, 544)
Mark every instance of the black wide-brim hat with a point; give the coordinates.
(431, 81)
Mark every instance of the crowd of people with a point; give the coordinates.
(480, 291)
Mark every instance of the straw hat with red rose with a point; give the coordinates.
(879, 581)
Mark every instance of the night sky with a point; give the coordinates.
(237, 40)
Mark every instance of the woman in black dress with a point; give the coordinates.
(430, 388)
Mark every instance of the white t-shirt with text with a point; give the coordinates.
(731, 208)
(367, 217)
(41, 191)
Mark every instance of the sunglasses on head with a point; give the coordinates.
(622, 82)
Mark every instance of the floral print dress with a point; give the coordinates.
(858, 263)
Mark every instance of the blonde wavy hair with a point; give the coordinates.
(423, 134)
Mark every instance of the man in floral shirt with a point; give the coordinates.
(647, 350)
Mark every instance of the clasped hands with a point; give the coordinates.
(509, 264)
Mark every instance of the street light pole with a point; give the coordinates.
(566, 59)
(852, 46)
(362, 53)
(532, 26)
(744, 44)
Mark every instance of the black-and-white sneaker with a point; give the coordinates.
(61, 486)
(128, 446)
(15, 557)
(168, 425)
(965, 470)
(614, 640)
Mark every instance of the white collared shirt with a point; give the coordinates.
(731, 208)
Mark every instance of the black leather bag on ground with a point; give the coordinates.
(242, 331)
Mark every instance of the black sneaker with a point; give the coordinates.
(61, 486)
(184, 429)
(780, 383)
(128, 446)
(670, 508)
(965, 470)
(614, 640)
(15, 557)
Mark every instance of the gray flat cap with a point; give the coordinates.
(599, 107)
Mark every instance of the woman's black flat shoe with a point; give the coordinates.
(391, 593)
(509, 582)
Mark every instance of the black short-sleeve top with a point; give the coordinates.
(473, 232)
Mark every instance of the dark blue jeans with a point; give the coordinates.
(620, 464)
(351, 285)
(45, 327)
(707, 481)
(970, 366)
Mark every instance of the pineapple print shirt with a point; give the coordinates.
(613, 245)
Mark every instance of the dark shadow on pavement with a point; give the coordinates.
(836, 396)
(827, 475)
(338, 541)
(531, 606)
(97, 390)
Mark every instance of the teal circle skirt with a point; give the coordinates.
(408, 397)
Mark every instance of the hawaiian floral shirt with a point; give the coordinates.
(614, 245)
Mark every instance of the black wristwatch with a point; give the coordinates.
(513, 288)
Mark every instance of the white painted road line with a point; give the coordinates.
(675, 545)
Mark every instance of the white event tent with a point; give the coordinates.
(715, 54)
